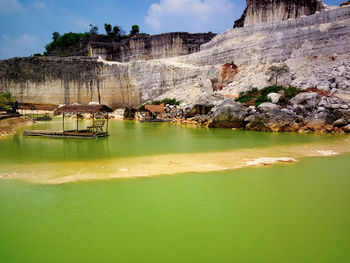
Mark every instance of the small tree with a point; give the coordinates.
(93, 30)
(135, 29)
(276, 71)
(116, 30)
(55, 36)
(6, 100)
(108, 28)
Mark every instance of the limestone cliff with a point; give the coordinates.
(137, 47)
(316, 48)
(260, 11)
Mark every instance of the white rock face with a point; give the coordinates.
(260, 11)
(316, 49)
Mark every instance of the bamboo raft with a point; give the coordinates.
(66, 134)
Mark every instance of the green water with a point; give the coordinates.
(283, 213)
(131, 139)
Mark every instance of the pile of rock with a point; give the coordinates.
(170, 112)
(307, 111)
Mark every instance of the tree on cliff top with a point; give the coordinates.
(108, 28)
(64, 41)
(55, 36)
(276, 71)
(135, 29)
(93, 30)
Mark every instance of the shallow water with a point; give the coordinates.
(296, 212)
(148, 149)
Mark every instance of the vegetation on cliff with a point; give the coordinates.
(6, 101)
(255, 97)
(64, 41)
(158, 102)
(71, 39)
(276, 71)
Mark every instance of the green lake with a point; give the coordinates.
(210, 212)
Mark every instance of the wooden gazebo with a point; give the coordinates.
(99, 127)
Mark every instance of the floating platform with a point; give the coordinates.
(66, 134)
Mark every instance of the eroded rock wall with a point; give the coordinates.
(82, 80)
(261, 11)
(137, 47)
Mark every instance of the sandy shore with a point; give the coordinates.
(167, 164)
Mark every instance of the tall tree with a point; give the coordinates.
(135, 29)
(108, 28)
(55, 36)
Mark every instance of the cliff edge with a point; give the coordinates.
(261, 11)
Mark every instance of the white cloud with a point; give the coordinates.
(190, 15)
(18, 46)
(8, 7)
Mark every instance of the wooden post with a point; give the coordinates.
(107, 123)
(93, 122)
(77, 123)
(63, 123)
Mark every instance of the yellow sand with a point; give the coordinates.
(66, 172)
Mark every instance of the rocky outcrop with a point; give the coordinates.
(240, 22)
(261, 11)
(304, 112)
(137, 47)
(227, 114)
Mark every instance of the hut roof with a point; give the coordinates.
(78, 109)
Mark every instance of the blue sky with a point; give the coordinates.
(26, 26)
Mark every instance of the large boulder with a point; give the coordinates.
(267, 107)
(319, 121)
(274, 97)
(273, 120)
(227, 114)
(308, 99)
(203, 104)
(346, 128)
(340, 122)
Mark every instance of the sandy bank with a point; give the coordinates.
(8, 126)
(168, 164)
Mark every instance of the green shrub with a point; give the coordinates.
(256, 97)
(6, 100)
(248, 96)
(291, 92)
(158, 102)
(66, 40)
(165, 101)
(142, 107)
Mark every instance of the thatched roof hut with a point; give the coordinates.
(80, 109)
